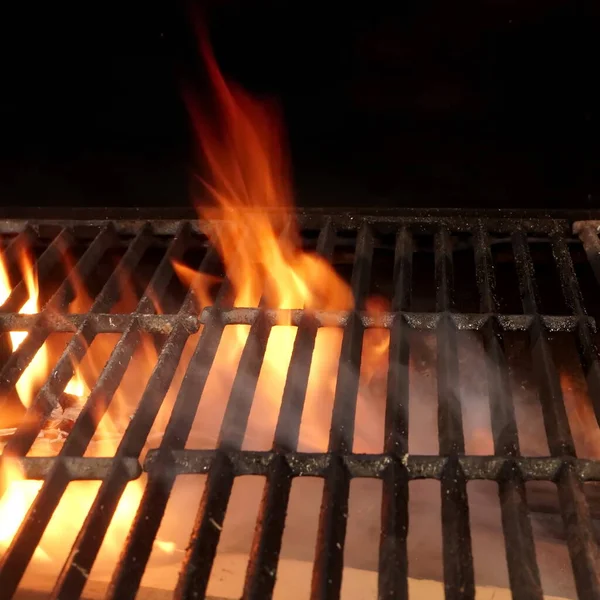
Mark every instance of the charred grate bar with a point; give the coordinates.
(339, 464)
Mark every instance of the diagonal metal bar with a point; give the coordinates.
(22, 240)
(8, 258)
(41, 327)
(48, 397)
(51, 256)
(588, 352)
(18, 555)
(85, 549)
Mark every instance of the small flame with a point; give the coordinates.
(16, 502)
(166, 547)
(36, 371)
(76, 386)
(5, 287)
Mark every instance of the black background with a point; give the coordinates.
(428, 103)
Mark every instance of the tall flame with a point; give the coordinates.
(252, 203)
(250, 209)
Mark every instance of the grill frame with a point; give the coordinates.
(280, 465)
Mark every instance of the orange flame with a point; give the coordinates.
(252, 228)
(5, 287)
(252, 206)
(20, 493)
(250, 212)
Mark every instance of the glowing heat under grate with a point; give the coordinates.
(113, 471)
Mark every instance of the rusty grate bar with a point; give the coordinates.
(260, 577)
(329, 558)
(162, 324)
(584, 335)
(459, 578)
(71, 580)
(127, 577)
(51, 317)
(583, 548)
(395, 466)
(48, 397)
(15, 560)
(523, 569)
(393, 558)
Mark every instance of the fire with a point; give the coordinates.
(259, 242)
(20, 493)
(5, 287)
(35, 373)
(252, 207)
(253, 228)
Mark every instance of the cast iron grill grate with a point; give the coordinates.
(395, 466)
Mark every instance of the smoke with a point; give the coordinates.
(362, 541)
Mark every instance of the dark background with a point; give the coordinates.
(431, 103)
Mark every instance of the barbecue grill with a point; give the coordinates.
(575, 255)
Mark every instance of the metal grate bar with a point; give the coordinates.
(48, 397)
(8, 258)
(523, 569)
(393, 559)
(126, 578)
(582, 547)
(328, 565)
(195, 572)
(456, 538)
(40, 326)
(262, 566)
(449, 409)
(338, 465)
(484, 271)
(163, 223)
(163, 323)
(560, 440)
(79, 468)
(309, 464)
(588, 351)
(15, 560)
(344, 406)
(588, 233)
(11, 253)
(502, 410)
(49, 258)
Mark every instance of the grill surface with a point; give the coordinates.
(395, 467)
